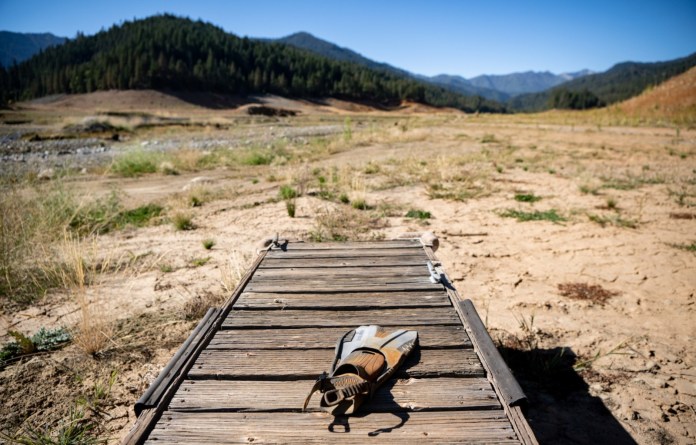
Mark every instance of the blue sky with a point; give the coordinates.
(429, 37)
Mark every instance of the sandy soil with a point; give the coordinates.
(638, 381)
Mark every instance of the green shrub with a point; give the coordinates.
(136, 163)
(549, 215)
(183, 221)
(287, 192)
(418, 214)
(43, 340)
(527, 197)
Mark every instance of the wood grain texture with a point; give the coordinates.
(365, 273)
(295, 364)
(342, 301)
(345, 253)
(354, 245)
(289, 395)
(336, 287)
(319, 263)
(429, 337)
(329, 318)
(488, 426)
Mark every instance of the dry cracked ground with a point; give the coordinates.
(575, 241)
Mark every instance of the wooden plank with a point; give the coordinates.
(346, 253)
(328, 318)
(394, 244)
(429, 337)
(302, 287)
(296, 364)
(395, 395)
(487, 426)
(342, 301)
(343, 271)
(338, 281)
(316, 263)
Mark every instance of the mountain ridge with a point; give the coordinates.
(170, 52)
(18, 47)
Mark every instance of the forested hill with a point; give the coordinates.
(168, 52)
(619, 83)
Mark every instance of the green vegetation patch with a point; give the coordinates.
(418, 214)
(43, 340)
(613, 220)
(548, 215)
(136, 163)
(527, 197)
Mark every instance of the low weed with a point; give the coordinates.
(613, 220)
(208, 243)
(345, 224)
(289, 195)
(75, 430)
(586, 189)
(548, 215)
(43, 340)
(488, 139)
(360, 204)
(687, 247)
(183, 221)
(136, 163)
(524, 353)
(527, 197)
(630, 182)
(196, 307)
(198, 262)
(460, 191)
(418, 214)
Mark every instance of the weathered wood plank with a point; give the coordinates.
(343, 271)
(395, 395)
(342, 301)
(443, 427)
(347, 253)
(327, 318)
(429, 337)
(317, 263)
(296, 364)
(394, 244)
(330, 287)
(338, 281)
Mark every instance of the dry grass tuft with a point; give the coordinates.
(588, 292)
(344, 223)
(94, 330)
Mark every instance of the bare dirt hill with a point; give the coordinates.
(674, 97)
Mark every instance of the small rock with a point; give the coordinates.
(46, 174)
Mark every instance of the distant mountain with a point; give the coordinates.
(526, 82)
(179, 54)
(621, 82)
(461, 85)
(309, 42)
(19, 47)
(498, 88)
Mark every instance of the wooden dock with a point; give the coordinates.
(243, 374)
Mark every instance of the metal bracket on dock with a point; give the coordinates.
(435, 274)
